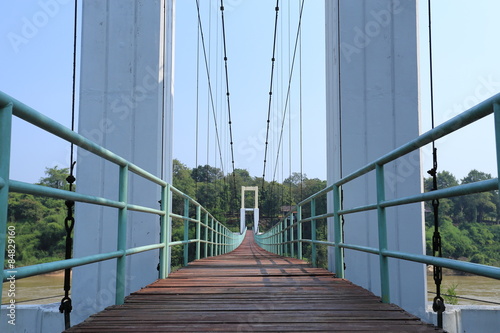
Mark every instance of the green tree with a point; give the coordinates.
(182, 179)
(55, 177)
(446, 206)
(39, 221)
(206, 173)
(476, 207)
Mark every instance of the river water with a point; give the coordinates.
(46, 289)
(43, 289)
(476, 287)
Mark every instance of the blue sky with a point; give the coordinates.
(36, 69)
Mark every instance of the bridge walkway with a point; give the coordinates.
(252, 290)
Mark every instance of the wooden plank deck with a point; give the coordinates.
(252, 290)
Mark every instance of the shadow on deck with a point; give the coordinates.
(252, 290)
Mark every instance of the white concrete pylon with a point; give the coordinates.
(255, 208)
(372, 108)
(126, 106)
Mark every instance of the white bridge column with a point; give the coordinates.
(242, 220)
(255, 208)
(372, 108)
(125, 106)
(256, 220)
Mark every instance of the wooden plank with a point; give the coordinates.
(251, 290)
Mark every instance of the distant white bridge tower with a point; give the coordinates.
(255, 208)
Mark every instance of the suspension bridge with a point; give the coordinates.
(240, 280)
(252, 290)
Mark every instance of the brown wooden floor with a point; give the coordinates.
(251, 290)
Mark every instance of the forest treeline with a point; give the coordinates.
(469, 225)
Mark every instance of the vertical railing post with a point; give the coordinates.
(338, 233)
(292, 245)
(217, 238)
(313, 233)
(275, 239)
(224, 240)
(286, 247)
(5, 139)
(198, 231)
(382, 235)
(122, 236)
(212, 237)
(496, 109)
(186, 231)
(165, 232)
(299, 232)
(280, 238)
(206, 235)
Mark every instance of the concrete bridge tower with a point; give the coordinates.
(125, 106)
(372, 108)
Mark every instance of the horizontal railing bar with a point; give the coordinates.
(21, 187)
(143, 209)
(361, 248)
(213, 243)
(477, 187)
(143, 173)
(320, 242)
(181, 217)
(27, 271)
(475, 113)
(144, 248)
(357, 209)
(317, 217)
(38, 119)
(189, 241)
(478, 269)
(26, 188)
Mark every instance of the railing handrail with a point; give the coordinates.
(222, 239)
(279, 238)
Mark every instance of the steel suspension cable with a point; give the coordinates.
(69, 222)
(289, 121)
(438, 302)
(227, 91)
(197, 124)
(207, 69)
(290, 80)
(300, 120)
(273, 60)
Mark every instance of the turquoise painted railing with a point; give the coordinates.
(217, 238)
(285, 237)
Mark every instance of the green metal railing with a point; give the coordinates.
(280, 238)
(217, 239)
